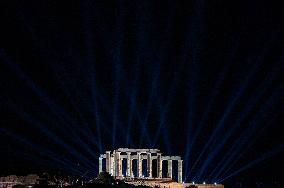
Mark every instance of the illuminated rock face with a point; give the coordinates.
(10, 181)
(166, 183)
(113, 161)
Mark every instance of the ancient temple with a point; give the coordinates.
(113, 163)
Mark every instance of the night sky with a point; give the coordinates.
(199, 79)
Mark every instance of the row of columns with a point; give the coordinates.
(114, 165)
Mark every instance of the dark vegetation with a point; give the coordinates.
(192, 186)
(103, 180)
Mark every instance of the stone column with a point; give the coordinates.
(100, 164)
(149, 165)
(120, 167)
(139, 165)
(159, 165)
(108, 161)
(118, 164)
(170, 168)
(112, 165)
(129, 165)
(179, 171)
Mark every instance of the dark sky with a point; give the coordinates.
(199, 79)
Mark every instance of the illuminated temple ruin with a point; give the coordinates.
(113, 163)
